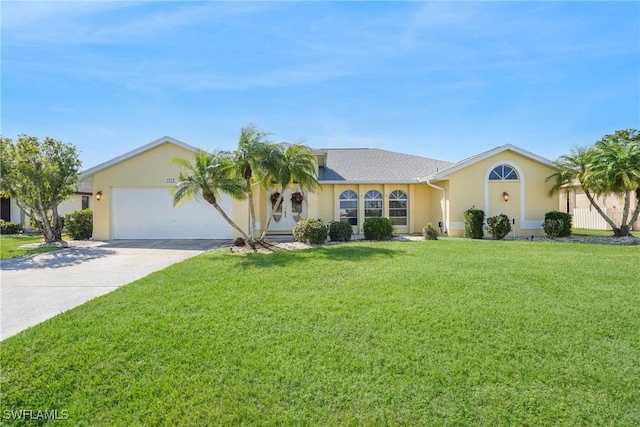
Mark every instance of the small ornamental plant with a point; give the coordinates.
(310, 230)
(499, 226)
(297, 198)
(8, 227)
(377, 229)
(429, 232)
(561, 220)
(553, 228)
(473, 223)
(79, 224)
(340, 231)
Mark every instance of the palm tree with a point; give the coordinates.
(293, 164)
(252, 156)
(615, 170)
(207, 177)
(612, 166)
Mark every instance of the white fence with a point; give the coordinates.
(590, 219)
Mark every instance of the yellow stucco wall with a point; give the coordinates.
(528, 196)
(148, 169)
(325, 203)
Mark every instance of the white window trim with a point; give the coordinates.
(406, 217)
(340, 199)
(368, 199)
(523, 223)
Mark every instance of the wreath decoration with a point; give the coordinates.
(274, 198)
(297, 198)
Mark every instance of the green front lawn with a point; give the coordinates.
(447, 332)
(9, 246)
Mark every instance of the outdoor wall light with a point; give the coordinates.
(99, 195)
(505, 196)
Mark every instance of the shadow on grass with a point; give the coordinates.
(345, 253)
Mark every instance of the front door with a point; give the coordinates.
(292, 209)
(5, 208)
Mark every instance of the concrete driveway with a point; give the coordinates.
(38, 287)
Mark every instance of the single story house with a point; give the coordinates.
(135, 200)
(81, 199)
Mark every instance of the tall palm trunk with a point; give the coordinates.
(252, 210)
(211, 199)
(625, 228)
(277, 204)
(230, 221)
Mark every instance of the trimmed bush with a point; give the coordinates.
(340, 231)
(473, 223)
(79, 224)
(310, 230)
(564, 218)
(498, 226)
(553, 228)
(430, 232)
(8, 227)
(377, 229)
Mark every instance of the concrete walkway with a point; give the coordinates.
(38, 287)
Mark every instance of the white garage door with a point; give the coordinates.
(148, 213)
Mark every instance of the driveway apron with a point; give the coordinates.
(38, 287)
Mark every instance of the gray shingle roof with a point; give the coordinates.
(374, 165)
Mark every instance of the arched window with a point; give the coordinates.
(372, 204)
(398, 204)
(349, 207)
(503, 172)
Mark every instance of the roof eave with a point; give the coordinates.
(378, 182)
(473, 160)
(88, 174)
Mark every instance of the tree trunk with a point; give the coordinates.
(44, 225)
(600, 211)
(636, 214)
(229, 220)
(210, 198)
(623, 231)
(252, 211)
(266, 227)
(57, 223)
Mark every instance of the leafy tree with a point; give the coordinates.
(39, 175)
(207, 177)
(293, 164)
(611, 166)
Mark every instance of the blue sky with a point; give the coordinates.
(437, 79)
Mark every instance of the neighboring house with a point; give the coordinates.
(81, 199)
(355, 184)
(573, 200)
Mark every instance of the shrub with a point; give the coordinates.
(473, 223)
(430, 232)
(565, 218)
(553, 228)
(340, 231)
(499, 226)
(377, 229)
(8, 227)
(79, 224)
(310, 230)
